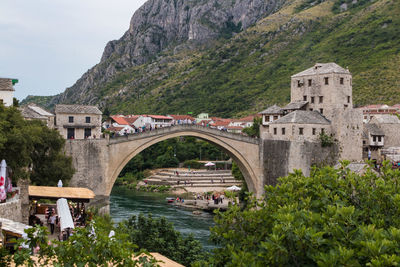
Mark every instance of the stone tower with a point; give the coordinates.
(327, 88)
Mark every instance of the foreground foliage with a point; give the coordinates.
(159, 235)
(332, 218)
(90, 246)
(31, 143)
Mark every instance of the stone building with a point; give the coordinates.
(271, 114)
(326, 87)
(300, 125)
(381, 133)
(34, 112)
(77, 121)
(321, 101)
(7, 91)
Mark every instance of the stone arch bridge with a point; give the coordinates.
(98, 162)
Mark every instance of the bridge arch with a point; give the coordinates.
(243, 150)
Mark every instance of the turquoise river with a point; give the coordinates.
(125, 203)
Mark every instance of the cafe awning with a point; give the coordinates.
(13, 228)
(78, 194)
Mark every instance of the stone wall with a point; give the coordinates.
(282, 157)
(11, 210)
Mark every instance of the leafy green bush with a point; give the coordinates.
(89, 246)
(326, 140)
(332, 218)
(194, 164)
(159, 235)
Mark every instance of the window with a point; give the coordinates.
(266, 118)
(321, 99)
(70, 133)
(348, 99)
(301, 130)
(309, 82)
(275, 131)
(379, 138)
(87, 119)
(364, 142)
(321, 110)
(311, 109)
(326, 79)
(283, 131)
(71, 119)
(298, 83)
(374, 138)
(312, 100)
(88, 132)
(322, 130)
(314, 131)
(304, 97)
(341, 80)
(275, 118)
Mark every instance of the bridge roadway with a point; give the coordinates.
(98, 162)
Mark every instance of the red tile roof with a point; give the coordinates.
(131, 119)
(182, 117)
(120, 120)
(250, 117)
(221, 123)
(159, 117)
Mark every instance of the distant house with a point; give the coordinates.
(182, 119)
(34, 112)
(202, 117)
(78, 122)
(7, 91)
(378, 110)
(220, 124)
(153, 121)
(271, 114)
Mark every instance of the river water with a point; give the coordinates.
(124, 203)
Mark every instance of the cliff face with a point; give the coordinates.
(161, 24)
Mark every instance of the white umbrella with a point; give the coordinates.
(3, 168)
(209, 164)
(60, 184)
(64, 214)
(233, 188)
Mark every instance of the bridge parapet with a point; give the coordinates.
(184, 128)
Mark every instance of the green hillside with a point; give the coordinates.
(245, 73)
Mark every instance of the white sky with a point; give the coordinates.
(49, 44)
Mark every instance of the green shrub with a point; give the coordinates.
(194, 164)
(334, 217)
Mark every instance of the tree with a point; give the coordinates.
(90, 246)
(49, 163)
(333, 217)
(31, 143)
(254, 130)
(159, 235)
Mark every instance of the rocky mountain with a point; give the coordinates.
(163, 24)
(231, 58)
